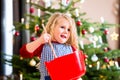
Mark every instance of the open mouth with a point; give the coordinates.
(63, 36)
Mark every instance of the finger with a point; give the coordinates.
(47, 38)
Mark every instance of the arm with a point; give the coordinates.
(24, 53)
(34, 48)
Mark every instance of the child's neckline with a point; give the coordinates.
(55, 42)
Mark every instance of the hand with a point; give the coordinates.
(45, 38)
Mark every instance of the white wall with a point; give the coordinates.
(97, 8)
(105, 8)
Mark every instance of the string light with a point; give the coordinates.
(27, 1)
(22, 20)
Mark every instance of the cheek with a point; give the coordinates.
(69, 35)
(58, 31)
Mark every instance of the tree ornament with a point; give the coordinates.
(94, 58)
(106, 60)
(32, 38)
(101, 76)
(37, 28)
(65, 2)
(32, 62)
(31, 10)
(106, 31)
(90, 66)
(95, 38)
(17, 33)
(100, 39)
(117, 65)
(82, 1)
(81, 44)
(102, 19)
(114, 36)
(47, 3)
(111, 62)
(84, 32)
(76, 12)
(103, 66)
(105, 49)
(98, 65)
(78, 23)
(21, 58)
(85, 56)
(21, 76)
(79, 79)
(27, 26)
(91, 29)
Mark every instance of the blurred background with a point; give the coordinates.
(97, 23)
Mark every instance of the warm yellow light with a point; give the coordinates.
(27, 1)
(27, 26)
(22, 20)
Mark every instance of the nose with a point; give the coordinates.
(66, 30)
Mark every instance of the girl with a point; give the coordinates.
(61, 31)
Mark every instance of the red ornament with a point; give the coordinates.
(84, 32)
(78, 23)
(106, 32)
(106, 59)
(67, 1)
(31, 10)
(106, 49)
(39, 35)
(32, 38)
(17, 33)
(85, 56)
(37, 28)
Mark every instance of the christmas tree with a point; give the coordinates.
(101, 62)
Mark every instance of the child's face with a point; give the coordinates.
(61, 32)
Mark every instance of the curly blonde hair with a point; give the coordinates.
(52, 21)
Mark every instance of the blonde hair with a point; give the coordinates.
(73, 40)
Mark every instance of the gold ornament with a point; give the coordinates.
(101, 76)
(114, 36)
(103, 67)
(90, 66)
(32, 62)
(27, 26)
(21, 58)
(111, 62)
(21, 76)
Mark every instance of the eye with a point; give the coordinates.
(62, 27)
(68, 29)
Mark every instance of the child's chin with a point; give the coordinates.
(62, 42)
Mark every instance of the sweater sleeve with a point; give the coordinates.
(24, 53)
